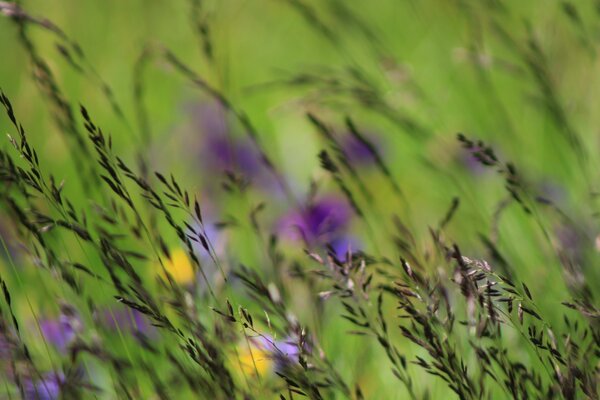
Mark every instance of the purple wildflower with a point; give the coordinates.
(124, 319)
(357, 152)
(218, 149)
(58, 332)
(317, 223)
(224, 154)
(216, 241)
(471, 163)
(47, 388)
(342, 245)
(283, 353)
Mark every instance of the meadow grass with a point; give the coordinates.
(296, 198)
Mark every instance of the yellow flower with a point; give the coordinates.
(179, 267)
(254, 359)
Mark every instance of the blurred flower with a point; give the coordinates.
(219, 151)
(58, 332)
(217, 244)
(47, 388)
(358, 153)
(263, 354)
(124, 320)
(317, 223)
(254, 360)
(229, 154)
(342, 245)
(179, 267)
(210, 232)
(471, 163)
(61, 331)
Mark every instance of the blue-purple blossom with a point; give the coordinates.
(344, 244)
(58, 332)
(223, 153)
(124, 319)
(217, 149)
(357, 152)
(216, 241)
(471, 163)
(319, 222)
(282, 353)
(47, 388)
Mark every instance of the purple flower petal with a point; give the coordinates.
(282, 352)
(58, 332)
(217, 149)
(48, 388)
(471, 163)
(357, 152)
(125, 320)
(342, 245)
(317, 223)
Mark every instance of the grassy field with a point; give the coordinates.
(282, 199)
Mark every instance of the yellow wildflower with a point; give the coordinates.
(254, 358)
(179, 267)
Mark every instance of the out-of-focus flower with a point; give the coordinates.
(319, 222)
(263, 355)
(224, 154)
(123, 319)
(219, 151)
(254, 359)
(358, 153)
(58, 332)
(216, 241)
(179, 267)
(47, 388)
(471, 163)
(61, 331)
(344, 244)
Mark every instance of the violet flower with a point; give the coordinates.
(344, 244)
(58, 332)
(124, 319)
(47, 388)
(357, 152)
(285, 353)
(318, 223)
(271, 354)
(471, 163)
(219, 150)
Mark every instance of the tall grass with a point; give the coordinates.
(361, 223)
